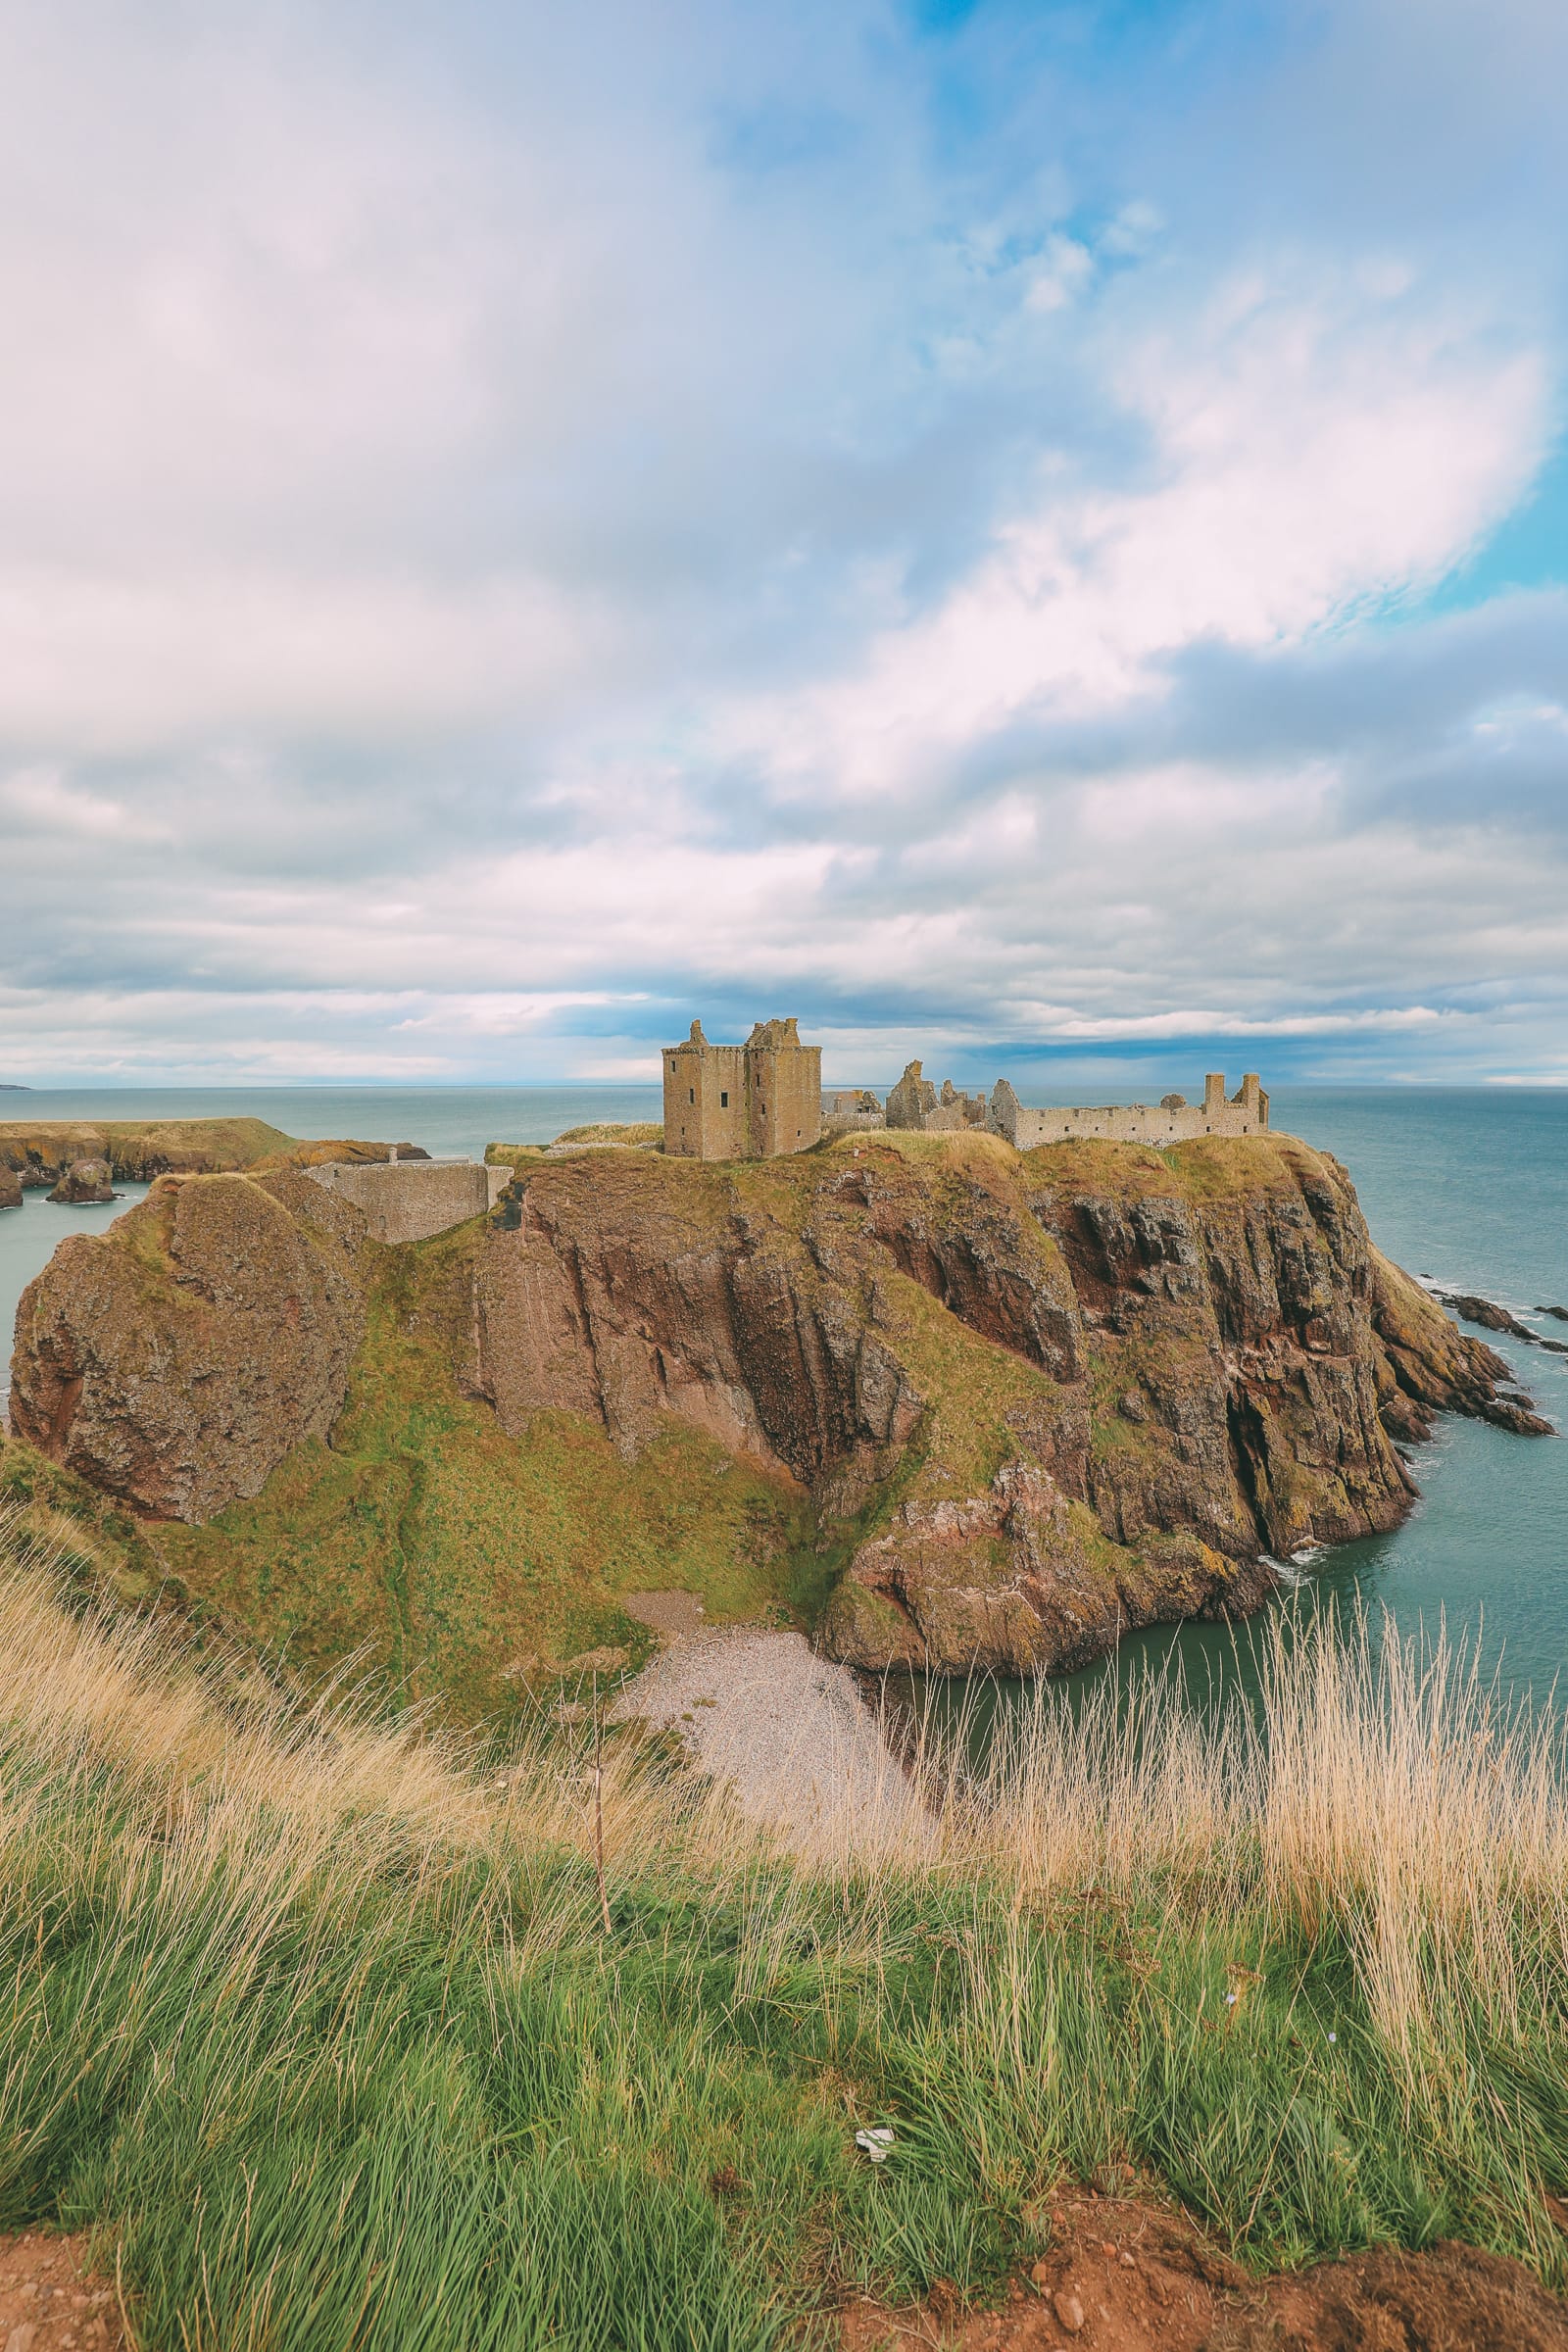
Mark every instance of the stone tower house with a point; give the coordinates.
(745, 1102)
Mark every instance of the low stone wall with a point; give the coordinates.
(409, 1200)
(1158, 1123)
(1130, 1123)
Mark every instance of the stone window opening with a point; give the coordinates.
(723, 1099)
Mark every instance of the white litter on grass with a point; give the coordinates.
(876, 2142)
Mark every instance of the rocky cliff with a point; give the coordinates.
(1026, 1400)
(40, 1153)
(174, 1361)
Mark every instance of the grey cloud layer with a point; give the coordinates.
(515, 525)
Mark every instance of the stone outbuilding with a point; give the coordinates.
(749, 1102)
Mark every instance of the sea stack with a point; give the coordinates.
(85, 1180)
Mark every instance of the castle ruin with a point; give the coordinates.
(410, 1199)
(1173, 1120)
(915, 1102)
(746, 1102)
(755, 1101)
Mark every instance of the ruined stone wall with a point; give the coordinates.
(915, 1102)
(409, 1200)
(1162, 1123)
(912, 1102)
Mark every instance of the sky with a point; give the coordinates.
(1031, 535)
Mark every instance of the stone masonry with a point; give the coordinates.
(749, 1102)
(1171, 1121)
(410, 1199)
(915, 1102)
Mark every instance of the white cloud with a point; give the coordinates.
(1310, 448)
(506, 518)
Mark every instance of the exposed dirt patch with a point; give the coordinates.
(674, 1616)
(50, 2302)
(1118, 2276)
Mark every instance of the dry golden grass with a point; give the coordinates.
(1376, 1788)
(289, 1987)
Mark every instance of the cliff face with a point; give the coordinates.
(1031, 1399)
(176, 1360)
(41, 1152)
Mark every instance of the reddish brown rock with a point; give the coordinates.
(85, 1180)
(175, 1359)
(1034, 1399)
(10, 1189)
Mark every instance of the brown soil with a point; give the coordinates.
(674, 1616)
(1124, 2277)
(50, 2302)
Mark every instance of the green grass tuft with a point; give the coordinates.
(316, 2019)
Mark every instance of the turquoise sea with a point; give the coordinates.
(1468, 1188)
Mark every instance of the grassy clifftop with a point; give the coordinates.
(321, 2023)
(136, 1150)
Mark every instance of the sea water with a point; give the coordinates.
(1469, 1188)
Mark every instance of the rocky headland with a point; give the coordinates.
(42, 1152)
(959, 1406)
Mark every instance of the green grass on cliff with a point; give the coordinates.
(461, 1565)
(317, 2023)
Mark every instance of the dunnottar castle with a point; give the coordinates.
(762, 1099)
(751, 1102)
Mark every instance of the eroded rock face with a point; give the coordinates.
(10, 1189)
(1210, 1364)
(176, 1359)
(85, 1180)
(1035, 1400)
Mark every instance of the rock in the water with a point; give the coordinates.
(83, 1181)
(10, 1189)
(1490, 1316)
(1560, 1312)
